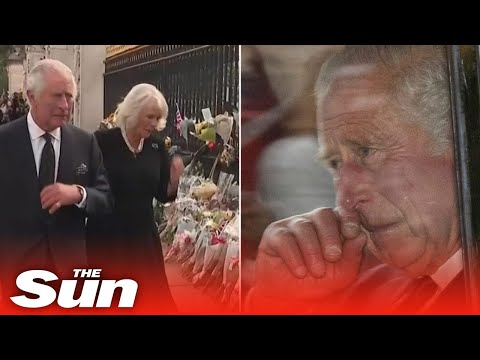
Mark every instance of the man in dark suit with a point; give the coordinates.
(384, 118)
(52, 178)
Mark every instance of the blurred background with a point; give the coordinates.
(281, 175)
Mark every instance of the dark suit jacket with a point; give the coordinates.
(380, 290)
(25, 234)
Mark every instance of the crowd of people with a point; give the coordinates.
(12, 107)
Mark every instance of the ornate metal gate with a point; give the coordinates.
(192, 76)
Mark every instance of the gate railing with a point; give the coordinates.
(192, 76)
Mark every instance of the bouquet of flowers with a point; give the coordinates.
(202, 231)
(184, 239)
(108, 123)
(205, 235)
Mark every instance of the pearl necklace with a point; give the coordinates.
(132, 149)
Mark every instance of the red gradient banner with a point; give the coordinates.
(365, 303)
(110, 290)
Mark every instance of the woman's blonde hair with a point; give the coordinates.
(127, 111)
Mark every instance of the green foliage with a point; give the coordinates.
(5, 51)
(158, 213)
(3, 79)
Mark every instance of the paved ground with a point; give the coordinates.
(190, 300)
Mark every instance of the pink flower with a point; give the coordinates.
(218, 240)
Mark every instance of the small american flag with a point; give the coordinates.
(178, 120)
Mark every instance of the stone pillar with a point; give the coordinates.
(15, 77)
(63, 53)
(76, 73)
(33, 53)
(92, 69)
(88, 66)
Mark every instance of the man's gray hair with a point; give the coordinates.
(36, 77)
(128, 110)
(418, 83)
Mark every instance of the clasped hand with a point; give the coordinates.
(54, 196)
(310, 256)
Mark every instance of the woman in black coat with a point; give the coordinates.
(125, 244)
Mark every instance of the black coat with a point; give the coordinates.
(26, 236)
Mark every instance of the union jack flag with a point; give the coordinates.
(178, 120)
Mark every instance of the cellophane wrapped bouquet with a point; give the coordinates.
(202, 235)
(200, 229)
(108, 123)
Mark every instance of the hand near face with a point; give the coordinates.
(54, 196)
(307, 257)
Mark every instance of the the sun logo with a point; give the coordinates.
(92, 286)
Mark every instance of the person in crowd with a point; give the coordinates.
(126, 242)
(4, 109)
(52, 179)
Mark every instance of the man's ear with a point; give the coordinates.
(30, 96)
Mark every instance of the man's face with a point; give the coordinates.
(52, 105)
(384, 171)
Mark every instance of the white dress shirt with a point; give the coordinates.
(445, 274)
(449, 270)
(38, 142)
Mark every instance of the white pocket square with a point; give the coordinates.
(82, 169)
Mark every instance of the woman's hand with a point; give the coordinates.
(176, 170)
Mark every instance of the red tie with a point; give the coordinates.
(417, 295)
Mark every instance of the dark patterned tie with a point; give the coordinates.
(417, 295)
(46, 174)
